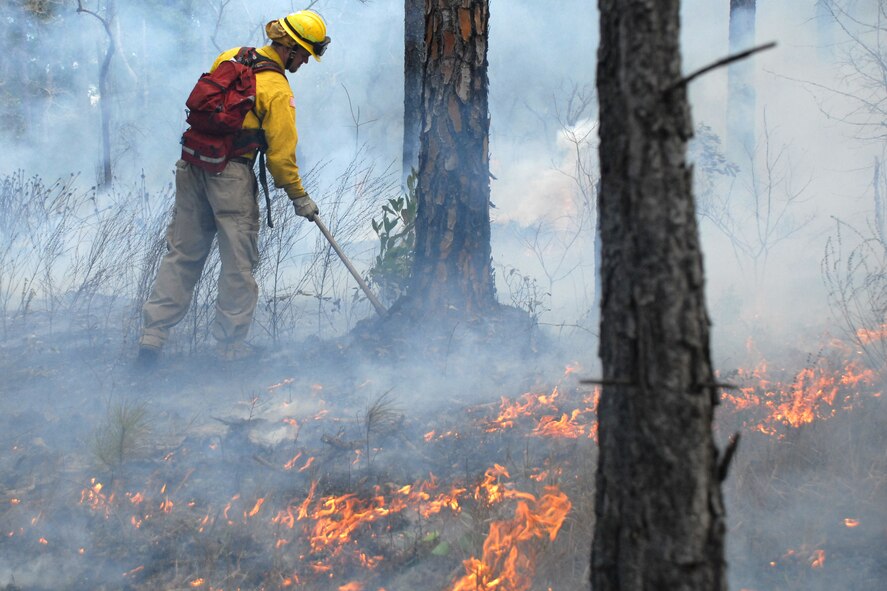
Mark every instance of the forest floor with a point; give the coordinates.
(323, 466)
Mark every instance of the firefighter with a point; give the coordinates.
(224, 204)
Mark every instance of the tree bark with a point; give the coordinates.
(414, 57)
(452, 268)
(659, 511)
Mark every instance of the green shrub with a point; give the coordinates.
(397, 243)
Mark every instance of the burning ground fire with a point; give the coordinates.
(550, 419)
(311, 517)
(771, 402)
(339, 528)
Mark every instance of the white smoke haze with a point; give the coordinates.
(68, 332)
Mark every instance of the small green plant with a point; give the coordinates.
(397, 243)
(122, 434)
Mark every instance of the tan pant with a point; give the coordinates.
(207, 205)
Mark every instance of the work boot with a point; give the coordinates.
(147, 359)
(238, 351)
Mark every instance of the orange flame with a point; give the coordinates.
(525, 406)
(815, 393)
(256, 507)
(566, 427)
(307, 464)
(850, 522)
(289, 465)
(93, 497)
(508, 560)
(818, 559)
(490, 490)
(867, 335)
(572, 368)
(333, 521)
(339, 517)
(228, 507)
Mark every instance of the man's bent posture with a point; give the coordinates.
(224, 203)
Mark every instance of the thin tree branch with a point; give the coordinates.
(720, 63)
(219, 15)
(102, 20)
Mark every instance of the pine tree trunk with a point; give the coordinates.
(414, 57)
(452, 266)
(659, 511)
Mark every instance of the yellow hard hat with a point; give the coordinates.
(307, 28)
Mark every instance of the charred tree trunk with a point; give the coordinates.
(451, 272)
(741, 82)
(414, 57)
(659, 510)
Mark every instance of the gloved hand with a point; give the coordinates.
(305, 207)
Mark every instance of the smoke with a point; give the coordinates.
(812, 162)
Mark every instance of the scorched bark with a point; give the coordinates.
(659, 511)
(452, 265)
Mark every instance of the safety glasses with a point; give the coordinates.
(320, 46)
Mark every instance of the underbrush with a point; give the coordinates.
(323, 477)
(76, 260)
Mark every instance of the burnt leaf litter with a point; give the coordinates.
(319, 466)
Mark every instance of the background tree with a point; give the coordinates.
(854, 266)
(659, 511)
(27, 75)
(452, 272)
(107, 21)
(741, 82)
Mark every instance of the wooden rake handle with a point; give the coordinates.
(380, 309)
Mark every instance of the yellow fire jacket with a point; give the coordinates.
(276, 110)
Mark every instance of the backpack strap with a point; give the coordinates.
(263, 178)
(248, 56)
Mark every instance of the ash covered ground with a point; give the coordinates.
(323, 466)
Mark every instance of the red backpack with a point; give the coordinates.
(217, 106)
